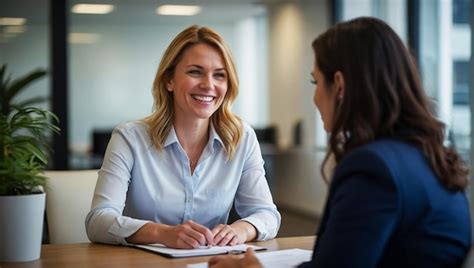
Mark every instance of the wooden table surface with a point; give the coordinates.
(99, 255)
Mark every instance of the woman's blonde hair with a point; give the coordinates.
(228, 126)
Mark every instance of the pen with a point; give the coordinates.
(235, 251)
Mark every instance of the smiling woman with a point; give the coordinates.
(199, 84)
(157, 173)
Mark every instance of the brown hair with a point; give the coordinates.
(383, 96)
(227, 125)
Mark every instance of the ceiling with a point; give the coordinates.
(137, 11)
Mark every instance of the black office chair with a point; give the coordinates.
(100, 140)
(267, 135)
(298, 133)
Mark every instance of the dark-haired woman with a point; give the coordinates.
(397, 195)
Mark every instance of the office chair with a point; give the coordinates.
(267, 135)
(100, 139)
(68, 200)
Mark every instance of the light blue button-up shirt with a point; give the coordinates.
(138, 184)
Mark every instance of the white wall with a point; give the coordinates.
(286, 68)
(292, 27)
(251, 59)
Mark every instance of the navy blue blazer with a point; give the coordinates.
(386, 208)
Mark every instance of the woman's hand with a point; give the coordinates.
(187, 235)
(226, 235)
(248, 261)
(193, 235)
(237, 233)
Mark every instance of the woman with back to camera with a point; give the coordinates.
(172, 177)
(397, 195)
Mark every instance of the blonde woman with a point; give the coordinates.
(172, 177)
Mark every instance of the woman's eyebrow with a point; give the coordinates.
(194, 66)
(201, 67)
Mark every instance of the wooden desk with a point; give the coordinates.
(98, 255)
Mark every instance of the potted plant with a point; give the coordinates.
(24, 132)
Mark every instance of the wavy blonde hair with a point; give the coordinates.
(227, 125)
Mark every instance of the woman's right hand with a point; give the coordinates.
(187, 235)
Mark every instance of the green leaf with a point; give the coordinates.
(24, 136)
(21, 83)
(35, 100)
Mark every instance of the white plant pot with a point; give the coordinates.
(21, 227)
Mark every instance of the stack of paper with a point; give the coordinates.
(203, 251)
(275, 259)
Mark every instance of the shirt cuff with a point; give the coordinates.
(124, 227)
(260, 226)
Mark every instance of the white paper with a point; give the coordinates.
(275, 259)
(284, 258)
(203, 251)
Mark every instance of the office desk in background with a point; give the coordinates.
(99, 255)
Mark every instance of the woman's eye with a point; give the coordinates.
(314, 82)
(220, 75)
(194, 72)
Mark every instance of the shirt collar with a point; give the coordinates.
(214, 136)
(173, 138)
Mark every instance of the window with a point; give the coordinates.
(445, 51)
(461, 9)
(461, 82)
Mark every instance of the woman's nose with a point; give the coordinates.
(207, 82)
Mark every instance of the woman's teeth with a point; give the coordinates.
(203, 98)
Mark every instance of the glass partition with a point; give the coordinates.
(24, 40)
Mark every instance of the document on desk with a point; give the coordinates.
(275, 259)
(203, 251)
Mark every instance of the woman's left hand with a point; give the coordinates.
(228, 235)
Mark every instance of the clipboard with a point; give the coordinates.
(202, 251)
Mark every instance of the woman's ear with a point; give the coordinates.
(339, 84)
(169, 86)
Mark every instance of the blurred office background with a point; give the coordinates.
(101, 69)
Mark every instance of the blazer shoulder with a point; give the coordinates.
(387, 151)
(380, 159)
